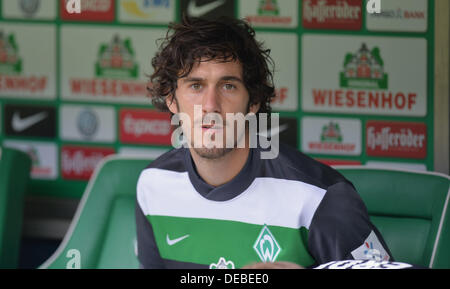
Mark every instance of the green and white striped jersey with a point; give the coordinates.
(291, 208)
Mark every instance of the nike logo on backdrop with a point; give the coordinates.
(174, 241)
(196, 11)
(20, 124)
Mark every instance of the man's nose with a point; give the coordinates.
(211, 102)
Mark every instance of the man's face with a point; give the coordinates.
(218, 87)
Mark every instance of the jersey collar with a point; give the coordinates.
(228, 190)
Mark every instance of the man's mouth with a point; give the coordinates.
(206, 127)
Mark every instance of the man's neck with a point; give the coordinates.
(219, 171)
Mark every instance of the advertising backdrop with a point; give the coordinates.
(352, 87)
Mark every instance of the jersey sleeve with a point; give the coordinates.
(147, 250)
(341, 228)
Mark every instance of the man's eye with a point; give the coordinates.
(196, 86)
(229, 86)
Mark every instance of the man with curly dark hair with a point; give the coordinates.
(197, 47)
(225, 206)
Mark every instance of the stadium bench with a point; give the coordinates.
(103, 231)
(410, 209)
(14, 175)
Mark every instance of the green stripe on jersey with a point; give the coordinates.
(205, 241)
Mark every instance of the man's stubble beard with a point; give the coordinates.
(217, 153)
(212, 153)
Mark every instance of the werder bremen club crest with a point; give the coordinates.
(116, 59)
(266, 246)
(364, 69)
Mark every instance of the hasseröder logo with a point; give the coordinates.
(386, 138)
(321, 11)
(396, 139)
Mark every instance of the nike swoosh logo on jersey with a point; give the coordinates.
(196, 11)
(20, 124)
(174, 241)
(274, 131)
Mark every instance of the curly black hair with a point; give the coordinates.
(224, 39)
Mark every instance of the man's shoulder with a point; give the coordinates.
(173, 160)
(295, 165)
(163, 168)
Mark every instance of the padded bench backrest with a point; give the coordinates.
(103, 229)
(409, 209)
(15, 169)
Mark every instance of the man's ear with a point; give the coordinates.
(171, 103)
